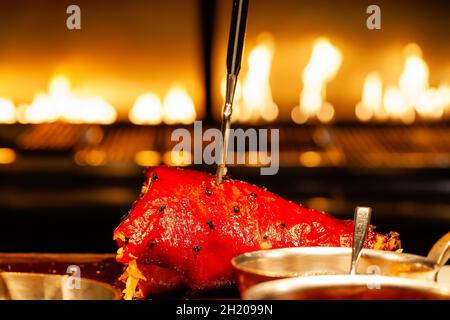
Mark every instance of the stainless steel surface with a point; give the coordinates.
(361, 225)
(265, 265)
(292, 262)
(35, 286)
(346, 287)
(440, 252)
(234, 57)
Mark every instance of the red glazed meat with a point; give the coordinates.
(184, 230)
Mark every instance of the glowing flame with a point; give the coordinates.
(41, 110)
(147, 109)
(414, 79)
(62, 104)
(322, 67)
(257, 94)
(429, 103)
(371, 103)
(178, 107)
(412, 96)
(310, 159)
(444, 93)
(253, 99)
(59, 88)
(397, 106)
(7, 155)
(177, 158)
(433, 102)
(147, 158)
(90, 157)
(7, 111)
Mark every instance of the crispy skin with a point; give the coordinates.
(191, 228)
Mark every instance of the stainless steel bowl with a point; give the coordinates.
(347, 287)
(35, 286)
(265, 265)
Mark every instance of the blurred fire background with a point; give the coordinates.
(363, 114)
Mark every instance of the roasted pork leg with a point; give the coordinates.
(184, 230)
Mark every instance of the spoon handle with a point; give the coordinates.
(440, 253)
(361, 224)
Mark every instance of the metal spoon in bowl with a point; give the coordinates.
(361, 225)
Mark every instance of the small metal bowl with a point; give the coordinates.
(36, 286)
(265, 265)
(346, 287)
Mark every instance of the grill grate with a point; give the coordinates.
(418, 146)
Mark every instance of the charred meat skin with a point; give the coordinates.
(188, 229)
